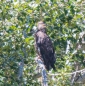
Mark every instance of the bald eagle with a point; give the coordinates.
(44, 46)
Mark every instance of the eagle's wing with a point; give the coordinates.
(45, 49)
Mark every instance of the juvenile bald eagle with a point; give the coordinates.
(44, 46)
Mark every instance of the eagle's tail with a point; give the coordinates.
(49, 63)
(53, 66)
(48, 66)
(52, 62)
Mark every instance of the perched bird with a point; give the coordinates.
(44, 46)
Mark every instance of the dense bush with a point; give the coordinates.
(64, 20)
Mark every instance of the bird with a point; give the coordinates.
(44, 46)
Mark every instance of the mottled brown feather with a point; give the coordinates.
(45, 48)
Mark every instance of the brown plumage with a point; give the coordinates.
(44, 46)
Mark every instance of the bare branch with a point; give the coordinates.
(73, 78)
(20, 71)
(68, 46)
(79, 71)
(43, 71)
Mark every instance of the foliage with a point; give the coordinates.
(64, 22)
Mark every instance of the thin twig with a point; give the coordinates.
(73, 78)
(83, 70)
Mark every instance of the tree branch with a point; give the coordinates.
(43, 71)
(79, 71)
(20, 70)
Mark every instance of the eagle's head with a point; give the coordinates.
(41, 26)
